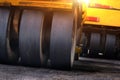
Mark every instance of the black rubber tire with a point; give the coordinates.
(30, 38)
(7, 55)
(62, 40)
(110, 46)
(94, 44)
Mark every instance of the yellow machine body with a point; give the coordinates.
(106, 12)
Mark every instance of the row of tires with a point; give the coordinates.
(37, 38)
(98, 45)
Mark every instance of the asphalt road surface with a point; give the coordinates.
(83, 70)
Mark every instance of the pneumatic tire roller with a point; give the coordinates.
(38, 33)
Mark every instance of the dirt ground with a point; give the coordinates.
(79, 72)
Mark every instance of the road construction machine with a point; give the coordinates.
(43, 33)
(40, 32)
(101, 31)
